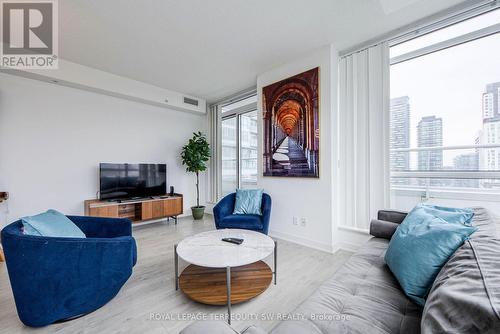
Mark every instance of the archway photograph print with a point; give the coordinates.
(291, 126)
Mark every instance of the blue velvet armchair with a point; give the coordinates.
(224, 218)
(55, 279)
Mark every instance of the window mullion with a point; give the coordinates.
(238, 150)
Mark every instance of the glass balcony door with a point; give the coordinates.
(239, 146)
(229, 177)
(248, 149)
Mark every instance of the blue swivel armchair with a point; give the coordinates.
(224, 218)
(55, 279)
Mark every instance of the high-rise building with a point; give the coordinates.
(400, 132)
(491, 103)
(489, 158)
(430, 134)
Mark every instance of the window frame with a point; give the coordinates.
(455, 41)
(444, 192)
(235, 113)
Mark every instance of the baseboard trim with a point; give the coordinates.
(303, 241)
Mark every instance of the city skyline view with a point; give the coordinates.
(400, 110)
(449, 85)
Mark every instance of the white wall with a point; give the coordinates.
(304, 197)
(52, 139)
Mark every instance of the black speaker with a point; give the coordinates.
(171, 191)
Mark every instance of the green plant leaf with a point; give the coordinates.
(196, 153)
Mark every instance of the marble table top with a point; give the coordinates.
(206, 249)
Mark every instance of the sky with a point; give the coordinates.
(449, 84)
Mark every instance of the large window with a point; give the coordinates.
(445, 109)
(239, 145)
(229, 155)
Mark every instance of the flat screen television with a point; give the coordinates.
(125, 181)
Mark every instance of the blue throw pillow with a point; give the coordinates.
(51, 224)
(248, 202)
(423, 243)
(451, 215)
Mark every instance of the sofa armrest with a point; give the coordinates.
(254, 330)
(392, 216)
(100, 227)
(382, 228)
(224, 208)
(208, 327)
(266, 211)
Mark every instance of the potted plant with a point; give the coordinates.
(194, 156)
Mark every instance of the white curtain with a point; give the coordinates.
(214, 113)
(363, 135)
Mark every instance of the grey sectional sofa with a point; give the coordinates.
(364, 297)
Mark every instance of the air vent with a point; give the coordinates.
(192, 102)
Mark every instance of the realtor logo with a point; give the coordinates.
(29, 34)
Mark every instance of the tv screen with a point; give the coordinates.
(120, 181)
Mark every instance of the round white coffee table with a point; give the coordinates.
(212, 259)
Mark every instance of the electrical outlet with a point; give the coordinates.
(295, 221)
(303, 222)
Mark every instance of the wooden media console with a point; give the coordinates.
(139, 210)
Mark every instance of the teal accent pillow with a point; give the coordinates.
(248, 202)
(423, 243)
(51, 224)
(451, 215)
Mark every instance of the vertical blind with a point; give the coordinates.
(363, 140)
(214, 115)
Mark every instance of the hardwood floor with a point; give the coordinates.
(148, 303)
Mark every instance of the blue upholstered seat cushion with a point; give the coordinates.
(250, 222)
(248, 202)
(423, 243)
(51, 224)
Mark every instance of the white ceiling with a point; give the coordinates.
(214, 48)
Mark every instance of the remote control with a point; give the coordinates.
(236, 241)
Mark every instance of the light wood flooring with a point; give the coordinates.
(150, 292)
